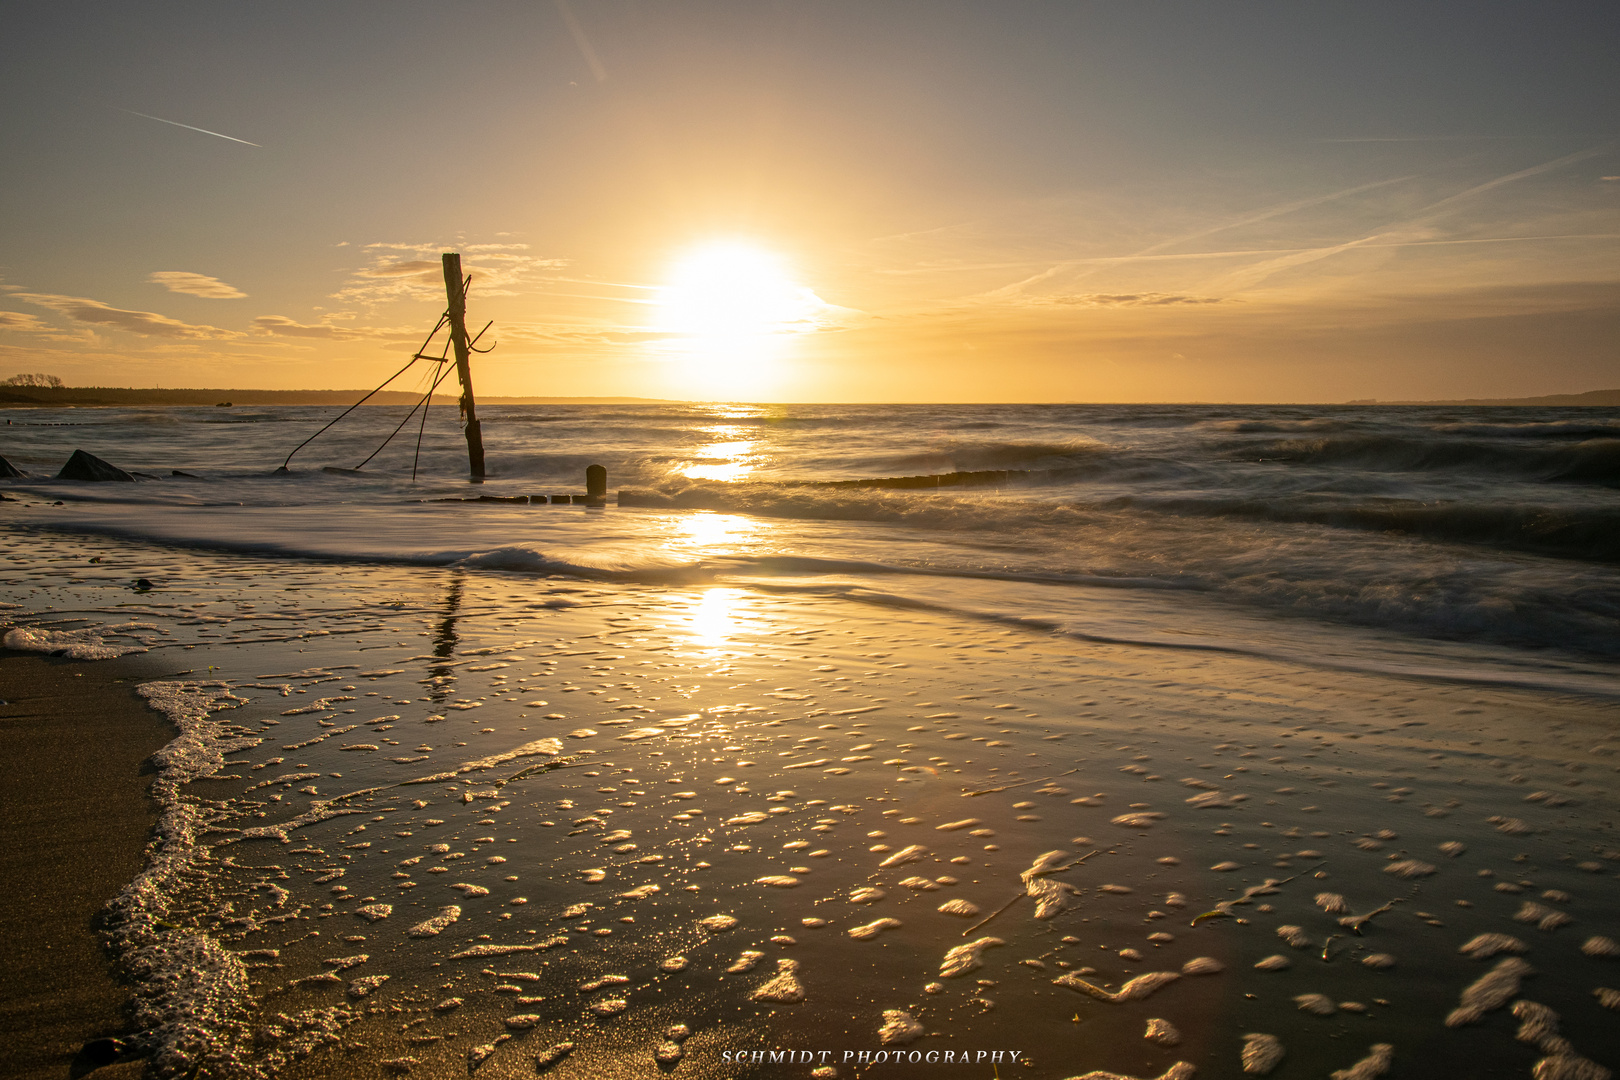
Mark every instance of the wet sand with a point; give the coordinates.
(447, 823)
(75, 739)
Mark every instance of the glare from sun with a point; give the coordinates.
(731, 306)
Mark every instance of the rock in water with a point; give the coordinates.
(98, 1052)
(83, 466)
(8, 470)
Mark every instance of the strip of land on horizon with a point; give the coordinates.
(36, 397)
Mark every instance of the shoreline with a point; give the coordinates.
(468, 783)
(78, 741)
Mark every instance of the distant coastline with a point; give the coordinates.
(35, 396)
(91, 396)
(1591, 397)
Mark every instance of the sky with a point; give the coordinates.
(819, 200)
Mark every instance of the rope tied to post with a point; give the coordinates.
(454, 316)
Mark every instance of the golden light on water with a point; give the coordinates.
(713, 618)
(728, 459)
(732, 307)
(709, 531)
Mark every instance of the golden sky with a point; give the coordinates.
(819, 201)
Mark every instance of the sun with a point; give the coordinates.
(731, 289)
(730, 307)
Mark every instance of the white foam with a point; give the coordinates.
(83, 644)
(189, 991)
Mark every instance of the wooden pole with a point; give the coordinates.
(456, 298)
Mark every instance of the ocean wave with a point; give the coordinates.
(1590, 461)
(1590, 534)
(621, 563)
(1531, 429)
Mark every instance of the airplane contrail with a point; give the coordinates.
(188, 127)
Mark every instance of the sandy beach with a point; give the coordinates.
(78, 817)
(433, 822)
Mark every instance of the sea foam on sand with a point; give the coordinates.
(865, 755)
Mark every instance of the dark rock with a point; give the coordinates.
(143, 585)
(99, 1052)
(7, 469)
(83, 466)
(188, 476)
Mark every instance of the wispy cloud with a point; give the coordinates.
(406, 271)
(22, 321)
(1416, 226)
(1424, 138)
(329, 330)
(1134, 299)
(146, 323)
(188, 127)
(592, 61)
(1077, 269)
(281, 326)
(189, 284)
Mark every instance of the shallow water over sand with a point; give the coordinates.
(438, 820)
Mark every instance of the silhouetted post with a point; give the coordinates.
(596, 483)
(456, 296)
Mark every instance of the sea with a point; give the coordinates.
(1450, 542)
(852, 741)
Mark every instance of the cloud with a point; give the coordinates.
(406, 271)
(281, 326)
(145, 323)
(1147, 299)
(328, 330)
(21, 321)
(184, 281)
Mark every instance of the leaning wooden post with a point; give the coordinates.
(455, 295)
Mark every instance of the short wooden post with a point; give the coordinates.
(596, 483)
(456, 297)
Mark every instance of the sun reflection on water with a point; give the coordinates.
(729, 458)
(713, 618)
(707, 533)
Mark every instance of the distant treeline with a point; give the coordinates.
(22, 396)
